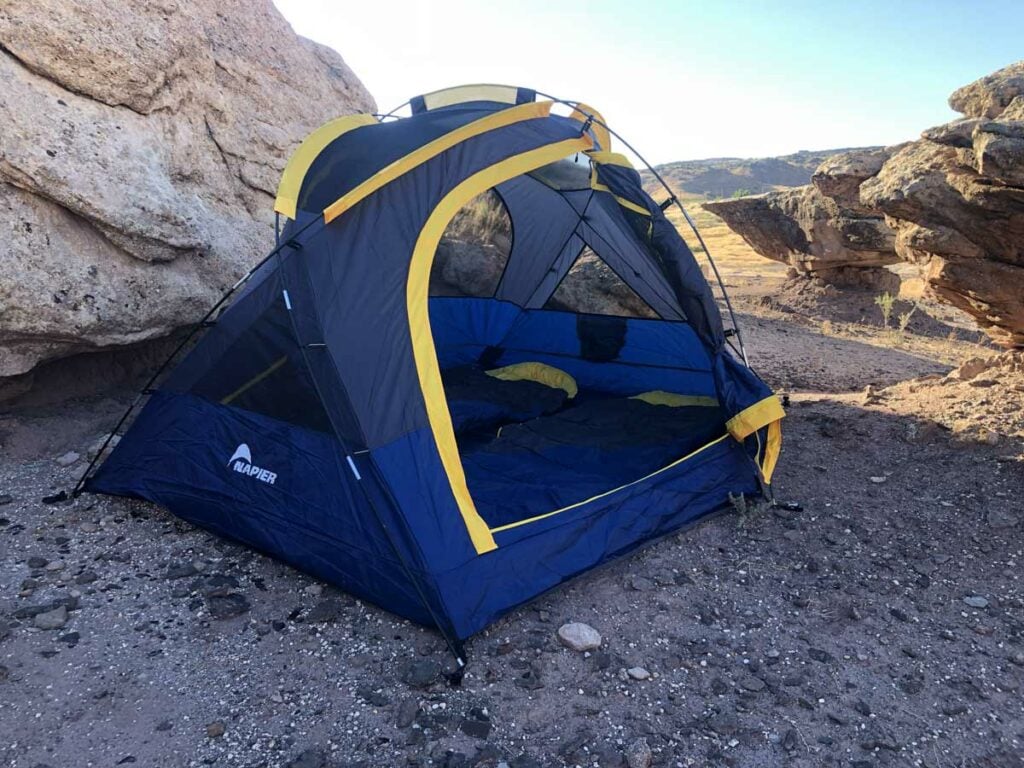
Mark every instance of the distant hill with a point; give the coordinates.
(726, 176)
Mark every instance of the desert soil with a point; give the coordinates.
(881, 624)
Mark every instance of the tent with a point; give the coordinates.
(451, 457)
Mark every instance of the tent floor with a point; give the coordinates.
(588, 449)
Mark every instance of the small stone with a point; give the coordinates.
(227, 606)
(819, 655)
(5, 498)
(69, 458)
(70, 639)
(54, 619)
(215, 729)
(640, 584)
(407, 711)
(420, 673)
(638, 673)
(861, 707)
(790, 740)
(325, 610)
(54, 566)
(164, 725)
(180, 571)
(477, 725)
(753, 684)
(372, 696)
(638, 754)
(37, 562)
(878, 479)
(953, 709)
(579, 637)
(976, 601)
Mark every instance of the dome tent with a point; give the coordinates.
(339, 417)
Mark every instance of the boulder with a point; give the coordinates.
(951, 203)
(821, 229)
(140, 148)
(956, 202)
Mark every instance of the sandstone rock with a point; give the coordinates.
(952, 203)
(956, 202)
(141, 146)
(814, 233)
(990, 95)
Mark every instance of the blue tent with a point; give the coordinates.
(451, 457)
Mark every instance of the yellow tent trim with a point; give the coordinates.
(389, 173)
(656, 472)
(611, 158)
(302, 158)
(751, 419)
(674, 400)
(416, 296)
(541, 373)
(584, 112)
(771, 451)
(460, 94)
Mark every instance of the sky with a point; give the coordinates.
(684, 80)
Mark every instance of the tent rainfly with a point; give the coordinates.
(451, 457)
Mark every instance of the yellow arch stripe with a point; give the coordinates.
(416, 297)
(583, 112)
(302, 158)
(389, 173)
(579, 504)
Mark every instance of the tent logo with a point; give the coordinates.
(241, 461)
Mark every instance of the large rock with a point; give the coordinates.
(951, 202)
(820, 229)
(140, 147)
(956, 201)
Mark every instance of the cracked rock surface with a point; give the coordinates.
(140, 147)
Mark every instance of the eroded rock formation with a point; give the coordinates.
(820, 229)
(952, 203)
(140, 147)
(956, 201)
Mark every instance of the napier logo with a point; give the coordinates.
(241, 461)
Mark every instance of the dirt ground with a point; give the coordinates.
(881, 624)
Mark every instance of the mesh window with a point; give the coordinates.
(263, 372)
(474, 249)
(592, 287)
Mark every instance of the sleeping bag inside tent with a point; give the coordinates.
(447, 428)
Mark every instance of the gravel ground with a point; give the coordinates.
(883, 624)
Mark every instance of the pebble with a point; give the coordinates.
(5, 498)
(477, 725)
(54, 619)
(227, 606)
(638, 673)
(215, 729)
(326, 610)
(976, 601)
(638, 754)
(753, 684)
(579, 637)
(37, 562)
(420, 673)
(878, 479)
(69, 458)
